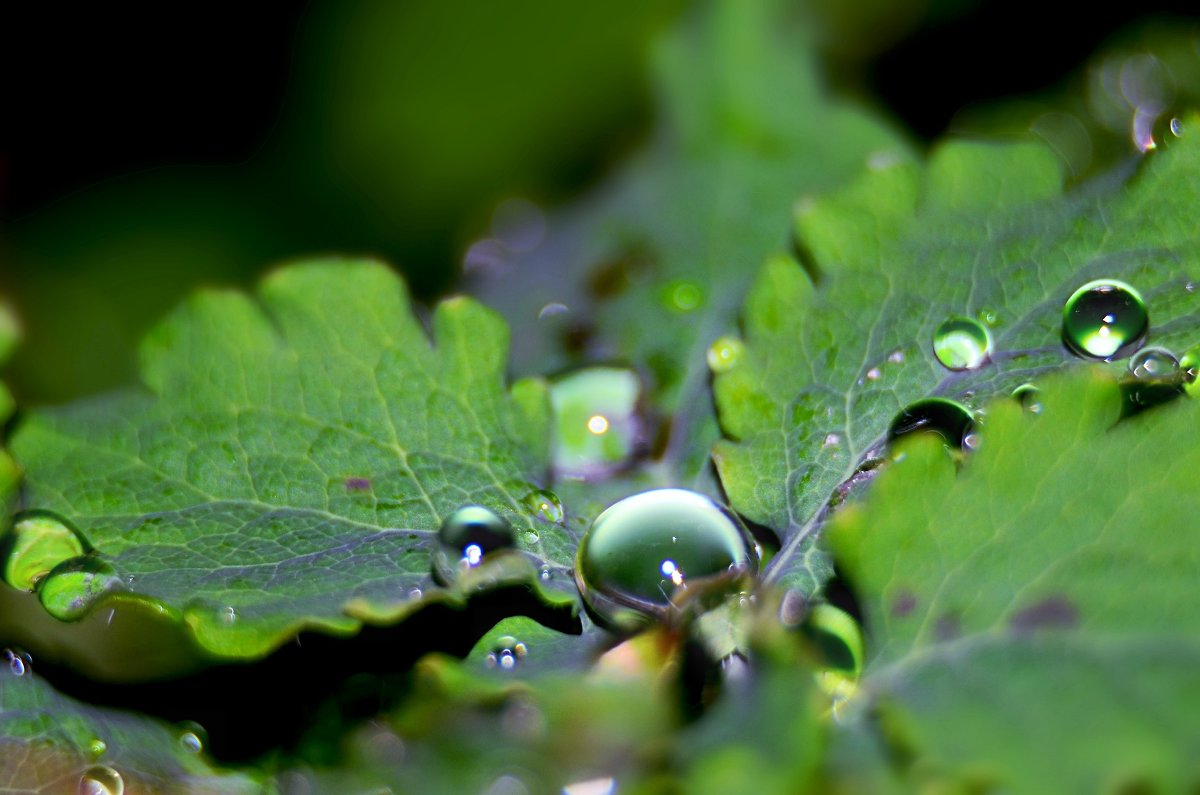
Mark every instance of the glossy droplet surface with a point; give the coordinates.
(73, 586)
(724, 354)
(101, 780)
(1029, 396)
(36, 544)
(467, 536)
(596, 421)
(506, 653)
(950, 420)
(1189, 363)
(1151, 363)
(1165, 132)
(18, 662)
(97, 747)
(192, 737)
(647, 550)
(545, 505)
(1105, 319)
(961, 343)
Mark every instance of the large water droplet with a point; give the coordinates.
(466, 537)
(72, 587)
(545, 505)
(725, 353)
(1152, 363)
(1105, 319)
(950, 420)
(36, 544)
(506, 653)
(1189, 364)
(101, 780)
(962, 343)
(19, 662)
(647, 553)
(597, 426)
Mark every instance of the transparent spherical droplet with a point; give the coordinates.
(597, 424)
(545, 505)
(506, 653)
(952, 421)
(545, 574)
(467, 536)
(641, 555)
(19, 662)
(101, 780)
(1189, 364)
(1164, 133)
(97, 747)
(73, 586)
(192, 737)
(1029, 396)
(228, 615)
(961, 343)
(989, 317)
(1105, 319)
(1153, 363)
(36, 544)
(873, 374)
(724, 354)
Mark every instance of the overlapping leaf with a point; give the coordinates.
(981, 231)
(1026, 629)
(291, 456)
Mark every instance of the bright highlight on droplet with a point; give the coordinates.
(598, 424)
(473, 554)
(1105, 319)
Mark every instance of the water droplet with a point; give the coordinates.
(896, 356)
(467, 536)
(1189, 286)
(1153, 363)
(597, 425)
(1189, 363)
(72, 587)
(19, 662)
(989, 317)
(415, 593)
(192, 737)
(961, 343)
(1105, 319)
(545, 505)
(873, 374)
(37, 543)
(101, 780)
(725, 353)
(228, 615)
(1028, 396)
(682, 296)
(644, 553)
(546, 574)
(507, 652)
(1164, 133)
(950, 420)
(831, 440)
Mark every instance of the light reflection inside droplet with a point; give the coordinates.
(597, 424)
(472, 555)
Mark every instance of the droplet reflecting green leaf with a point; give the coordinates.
(1105, 319)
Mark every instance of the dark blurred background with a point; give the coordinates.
(144, 153)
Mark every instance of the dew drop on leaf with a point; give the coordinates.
(961, 343)
(950, 420)
(101, 780)
(1152, 363)
(724, 354)
(647, 553)
(36, 544)
(19, 662)
(506, 653)
(545, 505)
(989, 317)
(467, 536)
(1105, 319)
(1029, 396)
(72, 587)
(97, 747)
(596, 421)
(192, 737)
(1189, 363)
(1165, 132)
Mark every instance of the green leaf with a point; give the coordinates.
(1037, 588)
(10, 332)
(48, 741)
(982, 230)
(654, 266)
(291, 457)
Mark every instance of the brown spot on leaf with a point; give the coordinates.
(903, 603)
(1054, 612)
(358, 484)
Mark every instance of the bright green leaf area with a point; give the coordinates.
(292, 454)
(655, 265)
(1027, 613)
(980, 231)
(48, 741)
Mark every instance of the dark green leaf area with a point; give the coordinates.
(652, 269)
(1033, 592)
(52, 743)
(983, 231)
(292, 455)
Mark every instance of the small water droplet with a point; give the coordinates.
(506, 653)
(467, 536)
(1029, 396)
(896, 356)
(101, 780)
(545, 505)
(724, 354)
(546, 574)
(961, 343)
(415, 593)
(97, 747)
(192, 737)
(553, 309)
(831, 440)
(1189, 286)
(228, 615)
(1105, 319)
(1189, 363)
(645, 552)
(37, 543)
(597, 424)
(1153, 363)
(72, 587)
(950, 420)
(989, 317)
(19, 662)
(683, 296)
(873, 374)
